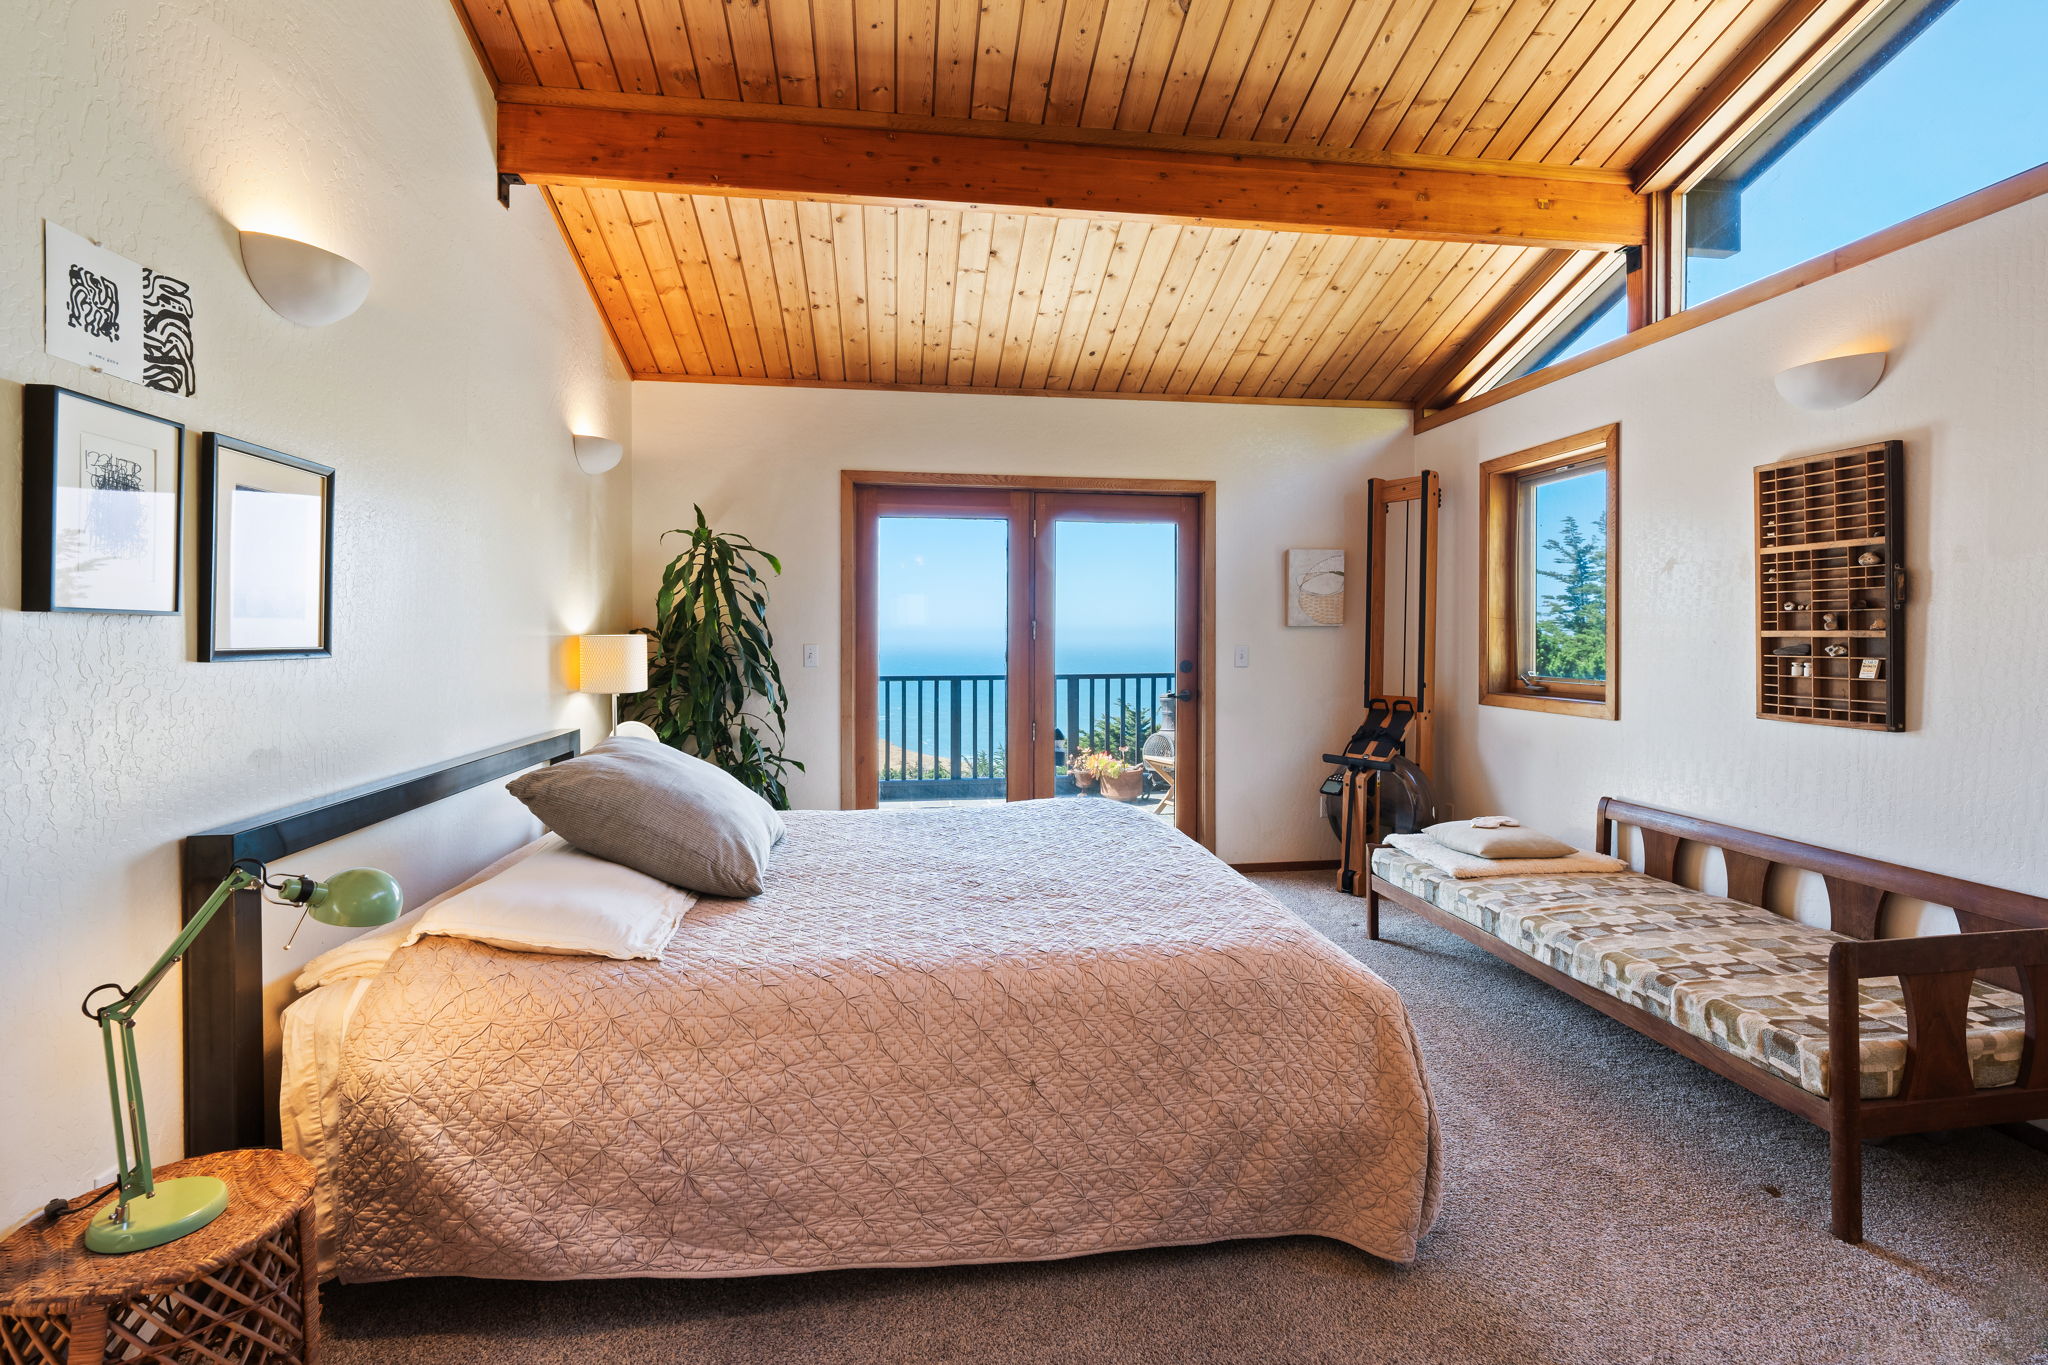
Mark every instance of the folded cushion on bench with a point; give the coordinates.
(1750, 982)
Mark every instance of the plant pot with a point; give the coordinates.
(1083, 781)
(1128, 787)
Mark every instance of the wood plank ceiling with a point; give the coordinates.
(720, 285)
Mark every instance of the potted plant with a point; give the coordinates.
(1120, 781)
(1078, 768)
(711, 657)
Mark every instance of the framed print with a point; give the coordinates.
(102, 505)
(1315, 587)
(266, 537)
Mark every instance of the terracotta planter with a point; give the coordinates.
(1128, 787)
(1085, 781)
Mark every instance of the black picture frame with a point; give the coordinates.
(43, 416)
(211, 648)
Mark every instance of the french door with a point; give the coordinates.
(1014, 643)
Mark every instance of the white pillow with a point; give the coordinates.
(366, 953)
(363, 955)
(563, 901)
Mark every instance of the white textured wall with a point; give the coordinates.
(766, 462)
(466, 546)
(1962, 790)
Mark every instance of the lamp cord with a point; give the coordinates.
(60, 1208)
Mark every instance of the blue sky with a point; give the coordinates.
(1959, 108)
(943, 607)
(1582, 496)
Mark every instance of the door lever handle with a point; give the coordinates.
(1186, 694)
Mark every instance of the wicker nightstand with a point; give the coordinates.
(242, 1289)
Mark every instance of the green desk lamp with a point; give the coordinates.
(149, 1213)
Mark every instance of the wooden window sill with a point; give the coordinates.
(1592, 708)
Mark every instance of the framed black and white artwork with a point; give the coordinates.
(266, 536)
(102, 505)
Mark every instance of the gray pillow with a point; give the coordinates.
(1510, 842)
(660, 811)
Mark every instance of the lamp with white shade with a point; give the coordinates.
(1832, 383)
(301, 282)
(597, 454)
(611, 664)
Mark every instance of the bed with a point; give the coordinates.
(946, 1036)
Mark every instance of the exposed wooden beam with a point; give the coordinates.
(633, 146)
(1383, 404)
(555, 97)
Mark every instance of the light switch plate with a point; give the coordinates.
(1243, 657)
(810, 656)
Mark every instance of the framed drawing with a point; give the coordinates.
(102, 505)
(266, 544)
(1315, 587)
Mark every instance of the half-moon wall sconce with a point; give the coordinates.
(301, 282)
(597, 454)
(1832, 383)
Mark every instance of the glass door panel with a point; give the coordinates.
(1113, 658)
(1117, 637)
(942, 625)
(939, 674)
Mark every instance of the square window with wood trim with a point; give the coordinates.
(1548, 522)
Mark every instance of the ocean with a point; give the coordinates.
(919, 718)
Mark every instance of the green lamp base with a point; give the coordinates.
(179, 1206)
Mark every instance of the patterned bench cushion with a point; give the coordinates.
(1750, 982)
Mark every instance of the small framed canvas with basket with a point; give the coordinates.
(266, 538)
(102, 505)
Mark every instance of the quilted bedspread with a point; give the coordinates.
(939, 1036)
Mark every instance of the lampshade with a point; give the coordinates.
(359, 898)
(597, 454)
(301, 282)
(611, 663)
(1832, 383)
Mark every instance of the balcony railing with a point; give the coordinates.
(945, 737)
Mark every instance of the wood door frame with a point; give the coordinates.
(855, 574)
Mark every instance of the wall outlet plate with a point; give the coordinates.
(1243, 657)
(810, 656)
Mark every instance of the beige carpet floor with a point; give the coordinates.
(1608, 1203)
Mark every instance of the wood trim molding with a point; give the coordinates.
(1043, 483)
(1526, 320)
(1803, 37)
(800, 382)
(1309, 865)
(1498, 506)
(668, 151)
(1993, 199)
(1533, 296)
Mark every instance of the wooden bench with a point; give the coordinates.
(2004, 942)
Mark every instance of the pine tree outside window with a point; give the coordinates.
(1548, 574)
